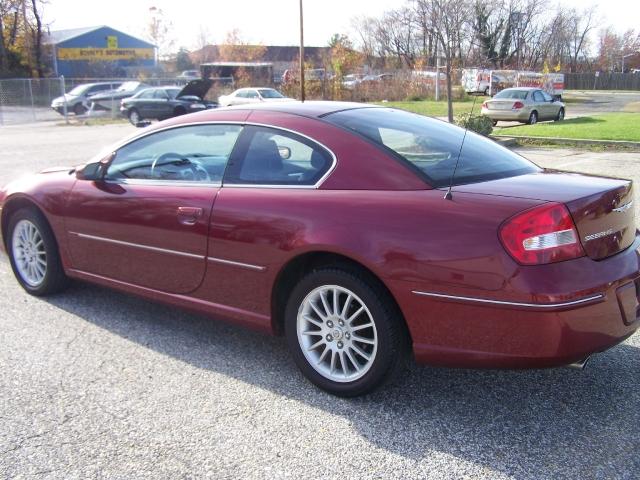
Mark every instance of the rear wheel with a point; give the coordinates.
(343, 331)
(134, 116)
(33, 252)
(533, 118)
(560, 116)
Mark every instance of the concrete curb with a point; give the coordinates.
(571, 141)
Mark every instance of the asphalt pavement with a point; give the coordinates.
(97, 384)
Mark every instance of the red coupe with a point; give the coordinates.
(358, 232)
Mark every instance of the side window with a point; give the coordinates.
(547, 97)
(197, 153)
(537, 96)
(160, 95)
(251, 94)
(268, 156)
(147, 94)
(242, 94)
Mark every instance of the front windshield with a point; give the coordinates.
(511, 93)
(79, 90)
(431, 147)
(270, 93)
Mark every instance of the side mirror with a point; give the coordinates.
(285, 152)
(95, 171)
(91, 171)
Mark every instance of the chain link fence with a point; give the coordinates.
(26, 100)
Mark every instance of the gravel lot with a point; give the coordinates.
(96, 384)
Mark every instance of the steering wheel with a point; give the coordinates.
(195, 172)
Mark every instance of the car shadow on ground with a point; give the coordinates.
(580, 424)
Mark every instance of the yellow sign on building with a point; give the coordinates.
(112, 42)
(91, 54)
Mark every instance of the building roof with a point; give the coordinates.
(60, 36)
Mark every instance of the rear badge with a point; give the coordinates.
(593, 236)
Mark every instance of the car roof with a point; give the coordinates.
(522, 88)
(314, 108)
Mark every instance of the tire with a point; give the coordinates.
(533, 118)
(494, 122)
(486, 92)
(43, 275)
(134, 116)
(78, 109)
(378, 350)
(560, 116)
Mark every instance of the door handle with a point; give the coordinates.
(189, 215)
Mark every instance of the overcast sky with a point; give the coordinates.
(271, 22)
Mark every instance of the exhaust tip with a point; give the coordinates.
(580, 364)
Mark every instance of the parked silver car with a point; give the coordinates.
(244, 96)
(523, 104)
(79, 98)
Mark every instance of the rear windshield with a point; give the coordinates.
(517, 94)
(431, 146)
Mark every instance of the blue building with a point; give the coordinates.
(95, 52)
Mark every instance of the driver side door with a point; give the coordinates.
(146, 222)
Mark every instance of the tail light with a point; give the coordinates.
(485, 105)
(543, 234)
(517, 105)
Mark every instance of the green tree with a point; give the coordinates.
(183, 60)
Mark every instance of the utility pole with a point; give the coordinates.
(301, 55)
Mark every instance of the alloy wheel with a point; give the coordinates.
(29, 253)
(336, 333)
(134, 116)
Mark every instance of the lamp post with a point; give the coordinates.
(301, 55)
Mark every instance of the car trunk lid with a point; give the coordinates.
(602, 208)
(506, 104)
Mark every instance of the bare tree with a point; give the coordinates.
(203, 44)
(446, 19)
(36, 37)
(580, 26)
(159, 32)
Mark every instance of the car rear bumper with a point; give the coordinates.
(482, 331)
(521, 115)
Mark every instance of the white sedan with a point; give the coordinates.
(243, 96)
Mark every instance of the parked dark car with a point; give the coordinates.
(166, 102)
(328, 222)
(79, 98)
(110, 99)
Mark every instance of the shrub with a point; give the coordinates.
(476, 123)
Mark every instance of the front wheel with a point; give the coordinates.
(344, 332)
(33, 252)
(560, 116)
(134, 117)
(79, 109)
